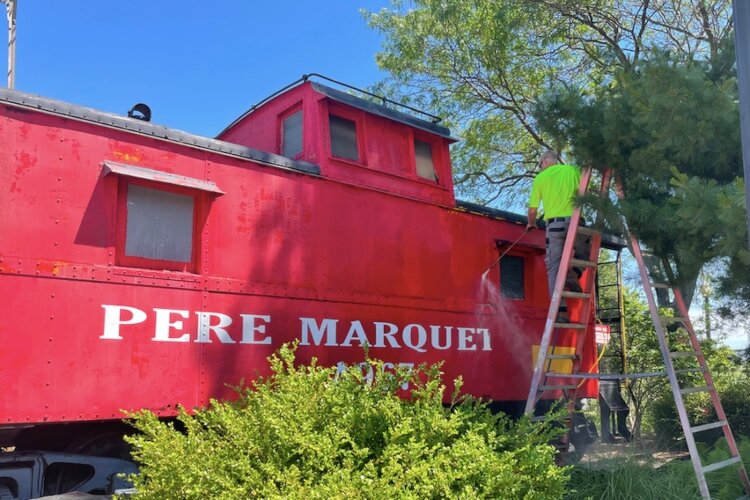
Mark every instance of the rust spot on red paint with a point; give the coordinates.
(24, 161)
(132, 156)
(23, 131)
(49, 267)
(14, 188)
(75, 147)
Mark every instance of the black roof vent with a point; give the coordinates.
(140, 112)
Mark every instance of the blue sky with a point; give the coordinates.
(197, 64)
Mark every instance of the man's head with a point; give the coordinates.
(549, 158)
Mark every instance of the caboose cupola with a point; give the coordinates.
(352, 139)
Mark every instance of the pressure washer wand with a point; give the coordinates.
(484, 275)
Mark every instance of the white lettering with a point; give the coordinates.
(435, 336)
(421, 337)
(464, 339)
(163, 324)
(486, 346)
(249, 329)
(386, 331)
(355, 330)
(112, 320)
(205, 327)
(310, 327)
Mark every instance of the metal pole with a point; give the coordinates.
(742, 48)
(10, 10)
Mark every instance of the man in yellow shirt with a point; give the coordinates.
(555, 187)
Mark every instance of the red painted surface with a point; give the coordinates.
(361, 246)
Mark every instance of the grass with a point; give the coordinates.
(628, 478)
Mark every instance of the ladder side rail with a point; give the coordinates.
(588, 309)
(708, 378)
(696, 345)
(556, 298)
(621, 305)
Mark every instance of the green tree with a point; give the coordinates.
(485, 63)
(659, 121)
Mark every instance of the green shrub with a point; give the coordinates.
(734, 391)
(306, 433)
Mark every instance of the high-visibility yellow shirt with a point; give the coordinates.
(556, 187)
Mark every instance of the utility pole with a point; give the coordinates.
(742, 48)
(10, 6)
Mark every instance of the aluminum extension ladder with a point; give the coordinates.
(551, 383)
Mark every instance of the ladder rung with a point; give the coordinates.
(705, 427)
(604, 263)
(606, 376)
(688, 370)
(562, 356)
(660, 285)
(587, 230)
(692, 390)
(683, 354)
(582, 263)
(556, 387)
(722, 464)
(576, 295)
(673, 319)
(609, 285)
(579, 326)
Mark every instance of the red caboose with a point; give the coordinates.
(144, 267)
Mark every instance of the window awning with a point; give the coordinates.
(111, 167)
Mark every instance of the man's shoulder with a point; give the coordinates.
(564, 167)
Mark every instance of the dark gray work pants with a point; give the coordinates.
(555, 241)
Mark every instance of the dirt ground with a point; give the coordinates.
(605, 455)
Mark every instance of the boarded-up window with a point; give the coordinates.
(423, 154)
(511, 277)
(343, 138)
(160, 225)
(291, 135)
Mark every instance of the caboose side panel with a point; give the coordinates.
(264, 251)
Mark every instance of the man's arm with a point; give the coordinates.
(531, 224)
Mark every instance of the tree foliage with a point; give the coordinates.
(485, 63)
(670, 130)
(306, 432)
(641, 85)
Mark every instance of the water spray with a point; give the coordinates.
(484, 275)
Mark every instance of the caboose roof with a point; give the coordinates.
(609, 241)
(354, 102)
(381, 110)
(33, 102)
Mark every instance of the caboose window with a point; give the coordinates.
(423, 154)
(291, 135)
(343, 138)
(511, 277)
(159, 225)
